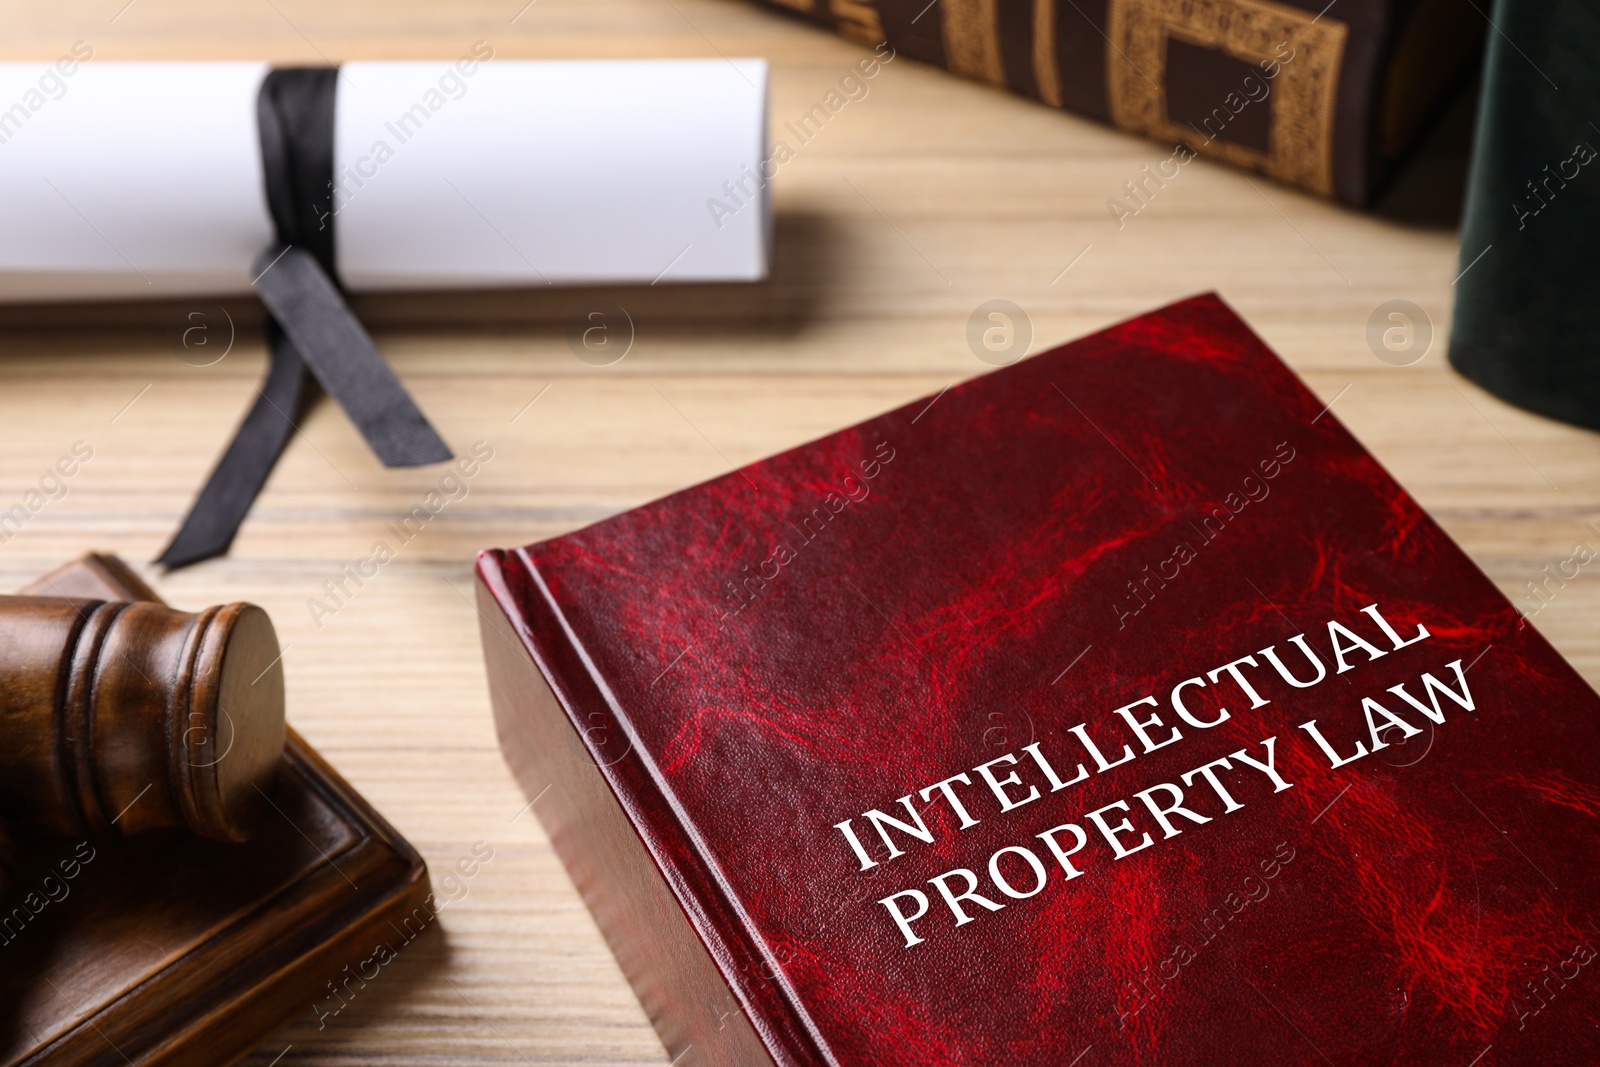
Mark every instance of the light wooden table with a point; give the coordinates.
(914, 205)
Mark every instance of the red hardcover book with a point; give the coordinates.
(1115, 707)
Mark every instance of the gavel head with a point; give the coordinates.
(127, 717)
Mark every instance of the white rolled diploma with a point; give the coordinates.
(123, 180)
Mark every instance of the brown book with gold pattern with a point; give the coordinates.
(1326, 95)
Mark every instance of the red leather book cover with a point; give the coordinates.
(1115, 707)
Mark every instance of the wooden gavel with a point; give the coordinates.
(118, 718)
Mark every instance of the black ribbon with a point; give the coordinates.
(311, 327)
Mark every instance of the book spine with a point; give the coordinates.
(696, 971)
(1259, 84)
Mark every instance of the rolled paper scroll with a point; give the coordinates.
(126, 717)
(129, 180)
(165, 179)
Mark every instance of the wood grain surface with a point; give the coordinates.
(910, 208)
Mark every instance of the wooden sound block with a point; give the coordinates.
(167, 949)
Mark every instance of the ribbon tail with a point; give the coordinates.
(234, 484)
(338, 350)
